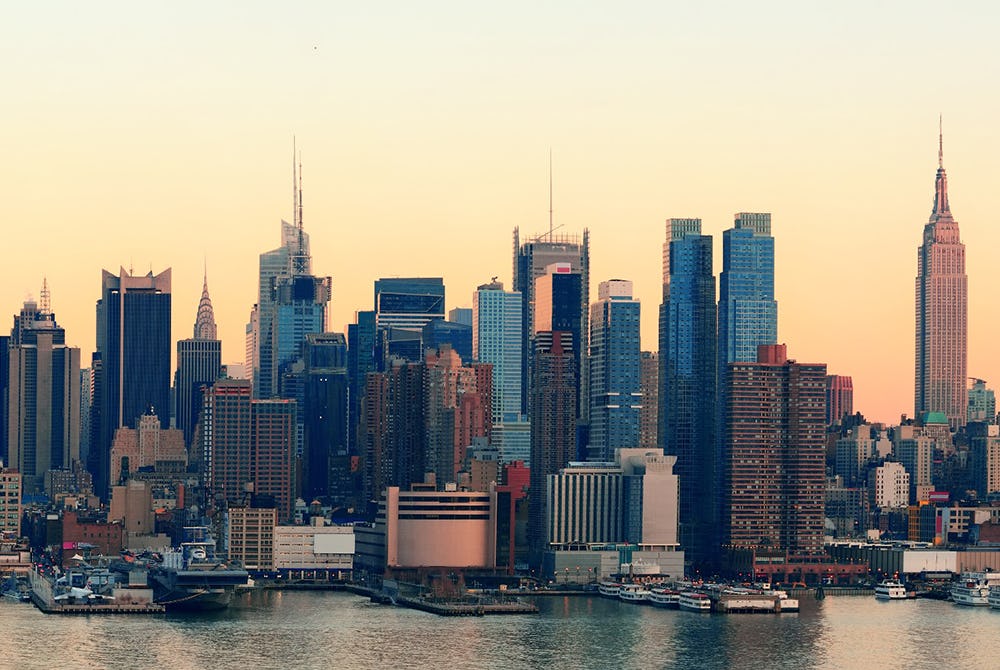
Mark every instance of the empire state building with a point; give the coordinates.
(942, 312)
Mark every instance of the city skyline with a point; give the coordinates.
(838, 147)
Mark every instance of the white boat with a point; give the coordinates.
(633, 593)
(609, 589)
(661, 597)
(994, 597)
(890, 589)
(692, 601)
(973, 588)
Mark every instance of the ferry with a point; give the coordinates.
(890, 589)
(973, 588)
(633, 593)
(994, 597)
(609, 589)
(662, 597)
(692, 601)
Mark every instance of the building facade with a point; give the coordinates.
(133, 346)
(199, 364)
(774, 457)
(942, 313)
(688, 382)
(614, 381)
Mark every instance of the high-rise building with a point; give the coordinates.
(199, 364)
(614, 382)
(942, 312)
(890, 486)
(914, 448)
(748, 312)
(393, 432)
(984, 445)
(774, 455)
(553, 421)
(982, 402)
(408, 303)
(43, 403)
(688, 381)
(854, 450)
(291, 302)
(133, 346)
(839, 398)
(248, 446)
(326, 467)
(649, 386)
(557, 308)
(10, 502)
(456, 410)
(531, 260)
(4, 381)
(496, 339)
(360, 361)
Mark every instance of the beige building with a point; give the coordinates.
(890, 486)
(314, 547)
(418, 529)
(10, 502)
(250, 536)
(148, 446)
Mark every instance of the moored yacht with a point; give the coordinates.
(633, 593)
(973, 588)
(609, 589)
(890, 589)
(692, 601)
(663, 597)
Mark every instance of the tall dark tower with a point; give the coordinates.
(942, 312)
(133, 340)
(688, 383)
(553, 417)
(199, 364)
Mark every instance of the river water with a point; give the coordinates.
(277, 629)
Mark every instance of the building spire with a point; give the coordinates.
(550, 194)
(204, 324)
(45, 303)
(941, 209)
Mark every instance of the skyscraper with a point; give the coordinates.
(325, 457)
(248, 445)
(553, 419)
(291, 302)
(496, 339)
(557, 297)
(133, 346)
(839, 398)
(748, 312)
(688, 382)
(614, 381)
(942, 312)
(199, 364)
(774, 455)
(531, 260)
(43, 407)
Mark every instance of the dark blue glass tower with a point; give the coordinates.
(133, 340)
(748, 312)
(615, 396)
(687, 378)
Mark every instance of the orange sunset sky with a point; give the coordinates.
(161, 135)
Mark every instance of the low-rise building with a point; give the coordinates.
(10, 502)
(249, 536)
(316, 551)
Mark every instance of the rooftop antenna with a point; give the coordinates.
(301, 258)
(940, 142)
(45, 306)
(550, 194)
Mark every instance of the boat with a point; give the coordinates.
(633, 593)
(693, 601)
(994, 597)
(663, 597)
(973, 588)
(609, 589)
(192, 578)
(890, 589)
